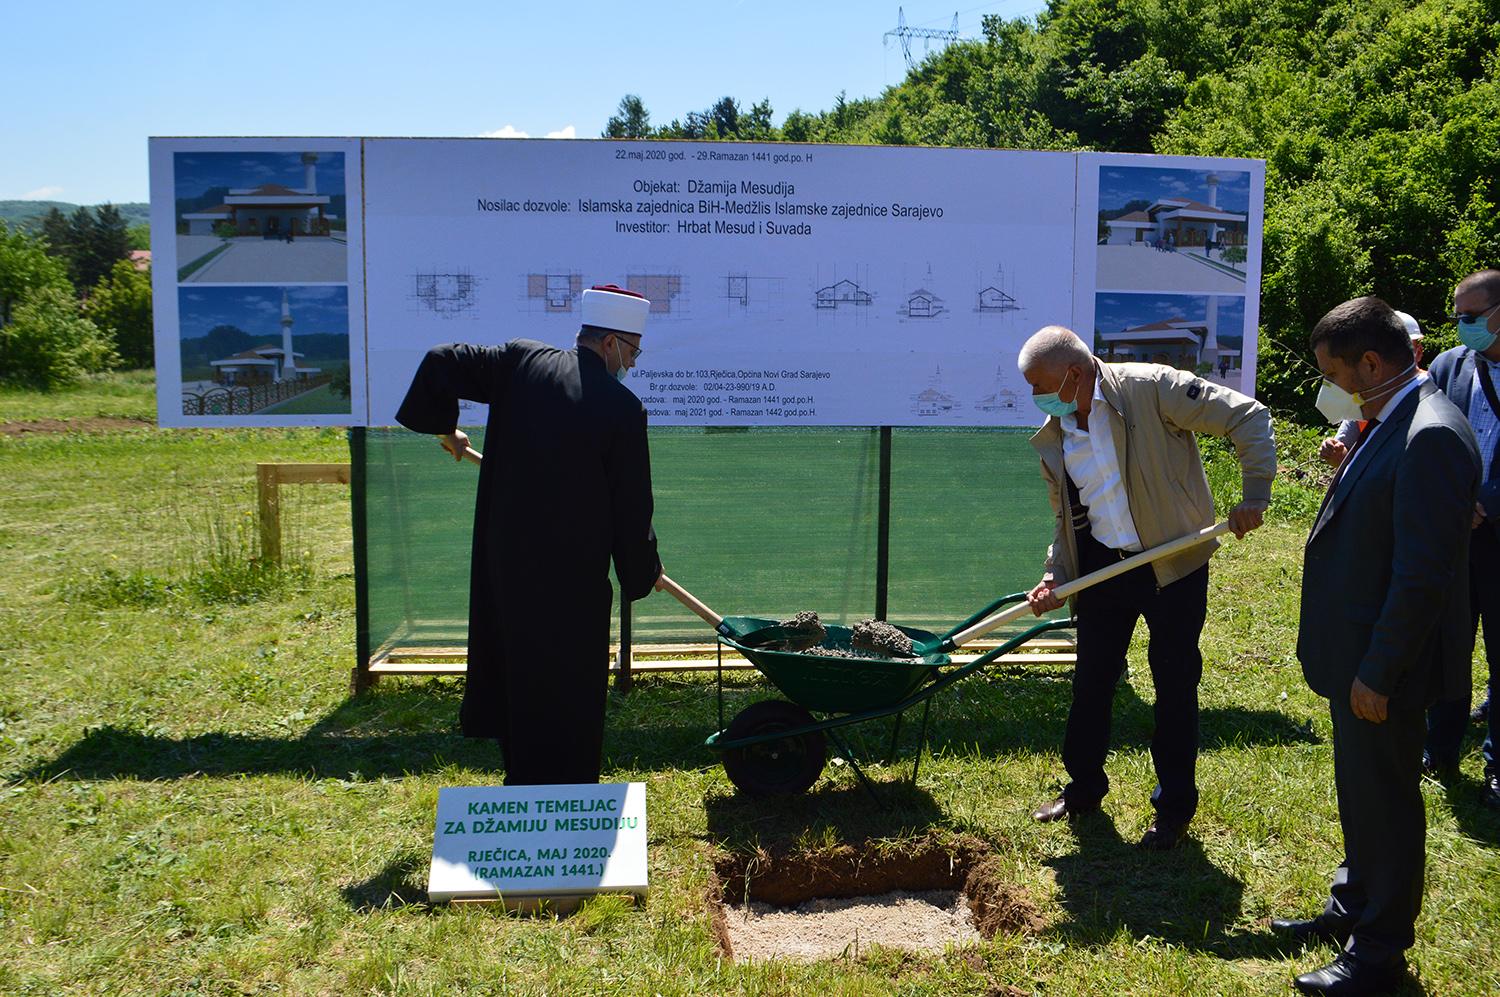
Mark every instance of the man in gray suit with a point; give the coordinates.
(1384, 629)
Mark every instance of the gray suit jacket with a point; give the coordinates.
(1385, 584)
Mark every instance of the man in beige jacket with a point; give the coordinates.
(1123, 473)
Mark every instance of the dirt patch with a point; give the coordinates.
(754, 886)
(927, 921)
(99, 424)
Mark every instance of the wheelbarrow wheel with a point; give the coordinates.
(771, 768)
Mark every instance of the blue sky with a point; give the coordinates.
(257, 310)
(1116, 312)
(1119, 185)
(196, 172)
(103, 76)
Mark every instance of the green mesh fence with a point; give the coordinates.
(754, 521)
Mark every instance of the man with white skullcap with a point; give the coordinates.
(565, 486)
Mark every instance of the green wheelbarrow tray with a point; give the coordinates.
(859, 688)
(833, 684)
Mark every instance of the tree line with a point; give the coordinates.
(71, 300)
(1379, 121)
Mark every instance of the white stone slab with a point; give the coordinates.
(516, 842)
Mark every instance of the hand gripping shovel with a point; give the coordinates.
(1077, 585)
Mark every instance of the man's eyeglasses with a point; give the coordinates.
(635, 351)
(1473, 316)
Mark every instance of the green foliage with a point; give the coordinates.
(48, 344)
(121, 305)
(139, 236)
(225, 230)
(630, 121)
(340, 383)
(24, 266)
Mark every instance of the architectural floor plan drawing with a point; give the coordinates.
(666, 290)
(746, 293)
(554, 292)
(447, 293)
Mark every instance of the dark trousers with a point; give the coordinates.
(1448, 719)
(1377, 892)
(1107, 614)
(555, 698)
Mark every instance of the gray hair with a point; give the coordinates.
(1053, 348)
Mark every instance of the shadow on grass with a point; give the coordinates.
(1178, 896)
(398, 729)
(402, 883)
(841, 813)
(385, 733)
(1017, 710)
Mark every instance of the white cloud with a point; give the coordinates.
(509, 131)
(568, 132)
(43, 194)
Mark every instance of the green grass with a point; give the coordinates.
(129, 394)
(190, 802)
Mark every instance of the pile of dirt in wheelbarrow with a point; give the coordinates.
(875, 639)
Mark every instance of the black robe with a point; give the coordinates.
(565, 485)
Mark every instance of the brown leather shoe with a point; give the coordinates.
(1060, 809)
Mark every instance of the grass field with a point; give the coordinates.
(193, 804)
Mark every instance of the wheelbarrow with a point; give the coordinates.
(780, 746)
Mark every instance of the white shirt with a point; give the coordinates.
(1091, 462)
(1385, 412)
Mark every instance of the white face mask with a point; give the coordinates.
(1338, 405)
(620, 371)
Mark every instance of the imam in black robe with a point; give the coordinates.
(565, 485)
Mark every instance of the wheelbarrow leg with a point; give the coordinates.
(921, 740)
(890, 756)
(864, 780)
(719, 646)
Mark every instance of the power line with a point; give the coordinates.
(928, 35)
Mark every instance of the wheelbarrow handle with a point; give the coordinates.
(689, 600)
(1068, 589)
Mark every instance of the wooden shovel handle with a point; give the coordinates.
(473, 455)
(691, 601)
(1093, 578)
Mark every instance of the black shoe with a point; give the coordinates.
(1347, 976)
(1444, 771)
(1315, 929)
(1162, 836)
(1491, 796)
(1061, 809)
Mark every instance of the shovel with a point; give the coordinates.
(782, 637)
(1067, 589)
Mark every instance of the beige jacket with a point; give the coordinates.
(1154, 410)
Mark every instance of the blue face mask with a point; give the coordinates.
(1475, 333)
(1052, 404)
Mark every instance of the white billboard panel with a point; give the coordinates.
(790, 284)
